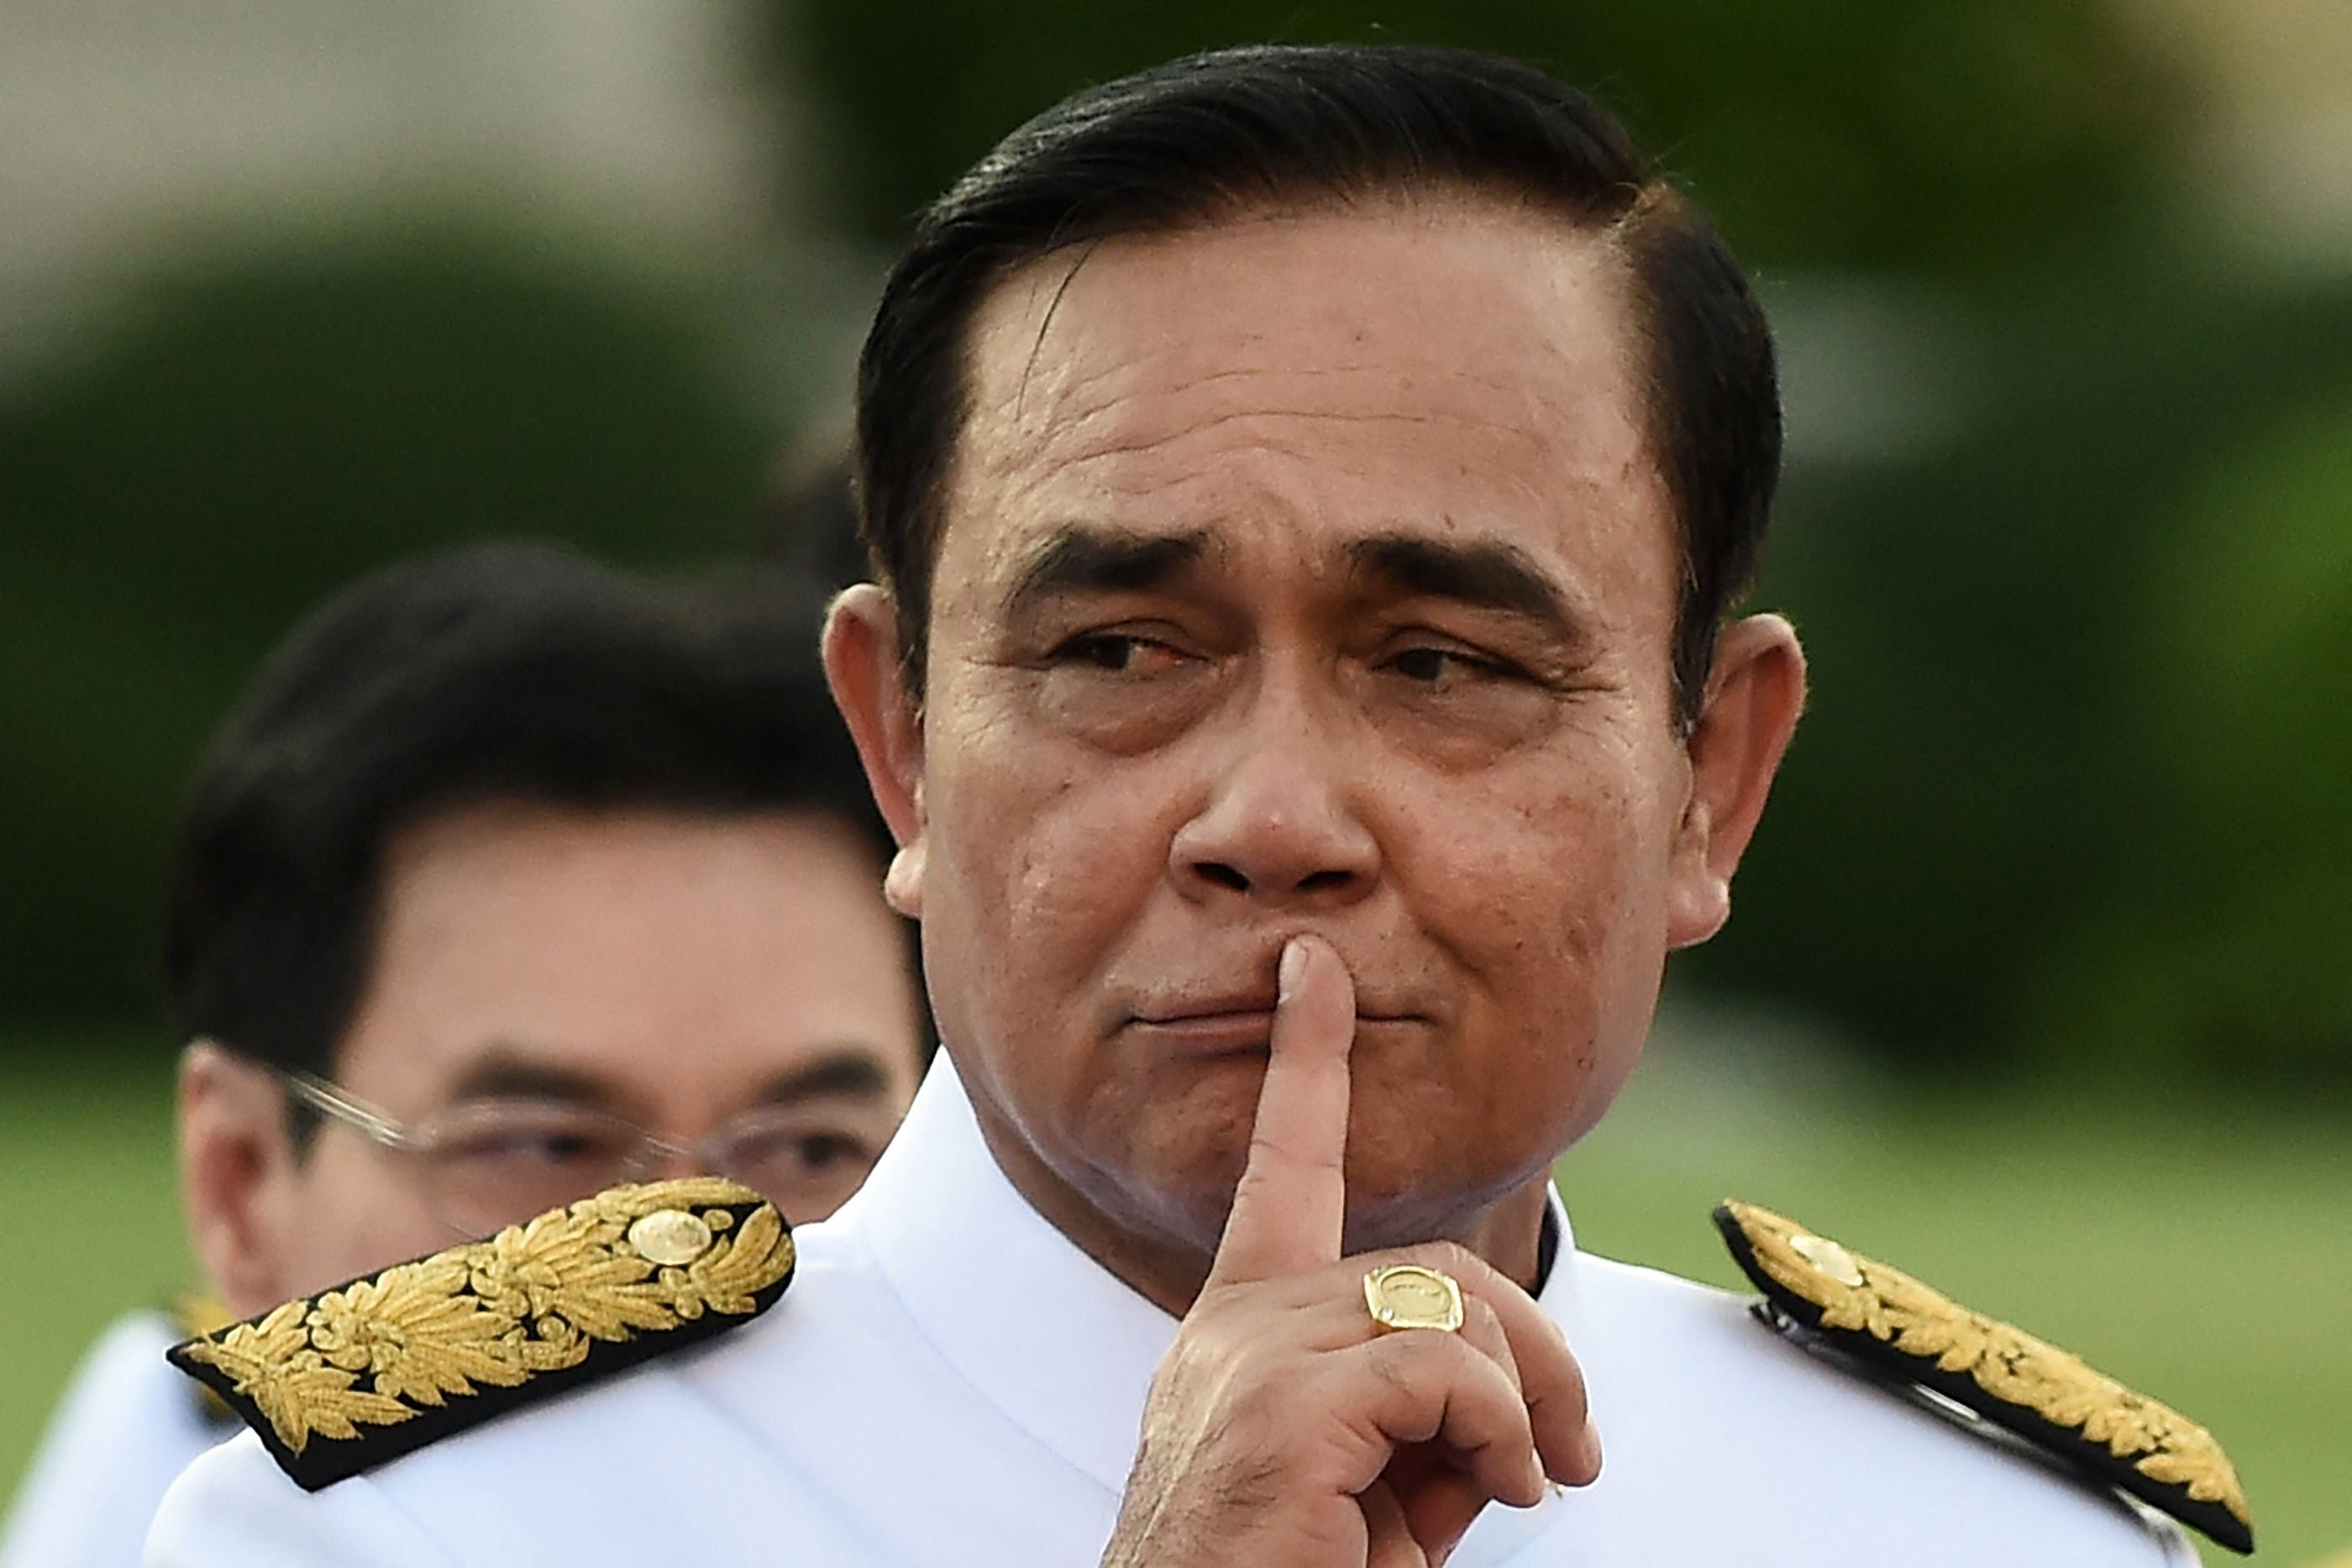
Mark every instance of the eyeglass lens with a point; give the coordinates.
(496, 1162)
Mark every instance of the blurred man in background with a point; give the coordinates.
(512, 878)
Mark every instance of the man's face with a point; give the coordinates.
(680, 972)
(1306, 573)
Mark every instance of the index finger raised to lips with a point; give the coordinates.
(1291, 1204)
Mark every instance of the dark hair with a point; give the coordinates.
(808, 522)
(1183, 144)
(489, 674)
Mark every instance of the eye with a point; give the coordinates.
(1119, 653)
(1431, 665)
(789, 1163)
(544, 1144)
(827, 1152)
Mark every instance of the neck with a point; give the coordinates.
(1167, 1264)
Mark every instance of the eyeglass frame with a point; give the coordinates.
(328, 1098)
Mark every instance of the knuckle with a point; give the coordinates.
(1445, 1257)
(1456, 1259)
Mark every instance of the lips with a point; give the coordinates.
(1176, 1007)
(1236, 1021)
(1212, 1032)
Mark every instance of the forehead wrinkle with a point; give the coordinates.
(1064, 436)
(1109, 388)
(1045, 325)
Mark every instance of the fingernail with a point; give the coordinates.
(1588, 1452)
(1294, 965)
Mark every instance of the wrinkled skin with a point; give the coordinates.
(1309, 575)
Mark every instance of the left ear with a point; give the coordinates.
(1753, 696)
(864, 663)
(239, 1172)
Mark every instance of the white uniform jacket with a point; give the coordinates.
(127, 1424)
(950, 1381)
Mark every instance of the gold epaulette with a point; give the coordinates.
(194, 1315)
(1884, 1321)
(337, 1383)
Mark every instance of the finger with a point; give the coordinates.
(1439, 1510)
(1499, 1319)
(1550, 1380)
(1428, 1387)
(1482, 1328)
(1339, 1321)
(1292, 1201)
(1389, 1540)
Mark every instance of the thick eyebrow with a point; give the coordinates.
(506, 1074)
(1078, 558)
(849, 1072)
(1484, 573)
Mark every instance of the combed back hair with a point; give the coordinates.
(490, 674)
(1183, 146)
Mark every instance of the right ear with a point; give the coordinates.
(237, 1173)
(867, 670)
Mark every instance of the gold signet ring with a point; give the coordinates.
(1408, 1296)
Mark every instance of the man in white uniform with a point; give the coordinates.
(527, 856)
(1309, 487)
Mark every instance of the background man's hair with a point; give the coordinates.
(1184, 144)
(494, 674)
(808, 522)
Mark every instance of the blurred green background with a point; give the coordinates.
(2040, 982)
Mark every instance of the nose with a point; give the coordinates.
(1279, 826)
(668, 1159)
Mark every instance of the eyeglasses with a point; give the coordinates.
(483, 1165)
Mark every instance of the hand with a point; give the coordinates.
(1283, 1428)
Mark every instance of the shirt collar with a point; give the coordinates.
(1059, 1344)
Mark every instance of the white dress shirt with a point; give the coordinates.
(950, 1381)
(126, 1425)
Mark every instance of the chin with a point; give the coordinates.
(1179, 1181)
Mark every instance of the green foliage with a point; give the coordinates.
(2228, 926)
(1844, 132)
(2066, 792)
(265, 428)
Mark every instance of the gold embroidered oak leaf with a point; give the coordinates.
(2006, 1363)
(565, 1265)
(492, 1313)
(571, 1276)
(1923, 1322)
(2196, 1461)
(291, 1384)
(619, 1205)
(726, 1278)
(568, 1267)
(414, 1329)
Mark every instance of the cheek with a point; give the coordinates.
(1044, 854)
(1040, 828)
(358, 1212)
(1559, 906)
